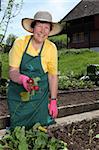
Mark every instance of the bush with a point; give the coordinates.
(59, 40)
(6, 48)
(9, 42)
(70, 82)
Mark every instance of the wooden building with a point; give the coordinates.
(82, 25)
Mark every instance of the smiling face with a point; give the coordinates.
(41, 31)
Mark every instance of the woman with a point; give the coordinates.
(33, 73)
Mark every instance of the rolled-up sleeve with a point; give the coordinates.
(15, 54)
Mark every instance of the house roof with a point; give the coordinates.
(82, 9)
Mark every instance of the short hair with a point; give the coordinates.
(34, 23)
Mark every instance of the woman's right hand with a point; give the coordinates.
(27, 82)
(24, 81)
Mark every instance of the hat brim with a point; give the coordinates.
(56, 27)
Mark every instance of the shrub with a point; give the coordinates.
(59, 40)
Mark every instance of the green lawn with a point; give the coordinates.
(75, 62)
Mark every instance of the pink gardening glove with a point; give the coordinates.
(53, 110)
(24, 81)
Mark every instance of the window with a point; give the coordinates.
(86, 36)
(78, 37)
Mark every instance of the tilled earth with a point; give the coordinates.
(3, 108)
(80, 135)
(64, 98)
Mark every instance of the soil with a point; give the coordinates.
(65, 98)
(3, 108)
(73, 97)
(80, 135)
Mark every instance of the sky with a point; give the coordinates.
(58, 9)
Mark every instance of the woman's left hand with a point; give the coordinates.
(53, 110)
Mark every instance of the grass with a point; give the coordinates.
(75, 61)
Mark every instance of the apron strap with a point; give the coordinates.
(28, 44)
(41, 49)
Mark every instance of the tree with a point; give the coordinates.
(12, 9)
(10, 39)
(9, 42)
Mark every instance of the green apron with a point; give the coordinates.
(36, 109)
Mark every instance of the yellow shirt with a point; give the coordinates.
(48, 54)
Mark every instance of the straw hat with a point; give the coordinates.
(42, 16)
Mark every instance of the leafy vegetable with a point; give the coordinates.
(32, 139)
(33, 83)
(25, 96)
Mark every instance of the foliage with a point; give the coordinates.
(3, 86)
(72, 66)
(32, 139)
(4, 60)
(1, 47)
(10, 39)
(73, 51)
(9, 11)
(60, 40)
(9, 42)
(70, 82)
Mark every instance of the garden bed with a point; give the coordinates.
(79, 135)
(70, 102)
(77, 101)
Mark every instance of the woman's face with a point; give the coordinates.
(41, 31)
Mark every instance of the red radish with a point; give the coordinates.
(36, 88)
(31, 81)
(33, 88)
